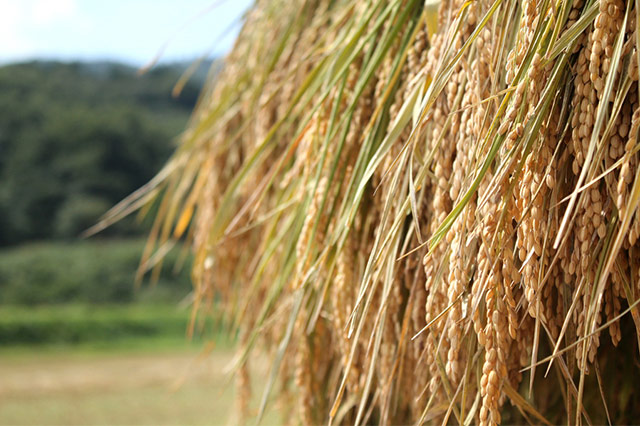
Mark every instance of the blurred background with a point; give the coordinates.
(80, 128)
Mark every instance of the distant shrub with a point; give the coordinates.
(95, 271)
(83, 324)
(77, 213)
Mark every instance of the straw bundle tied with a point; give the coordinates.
(422, 212)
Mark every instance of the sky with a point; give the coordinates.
(132, 31)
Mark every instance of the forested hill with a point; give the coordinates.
(75, 138)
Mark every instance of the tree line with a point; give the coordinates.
(75, 138)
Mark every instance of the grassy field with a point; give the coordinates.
(106, 353)
(113, 365)
(142, 386)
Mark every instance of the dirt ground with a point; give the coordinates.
(119, 388)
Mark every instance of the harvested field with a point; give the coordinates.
(74, 387)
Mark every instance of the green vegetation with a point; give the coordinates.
(80, 342)
(93, 271)
(83, 292)
(80, 324)
(77, 138)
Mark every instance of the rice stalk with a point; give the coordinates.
(411, 206)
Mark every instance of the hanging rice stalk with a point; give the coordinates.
(422, 212)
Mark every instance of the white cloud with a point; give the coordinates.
(13, 41)
(47, 12)
(23, 22)
(85, 29)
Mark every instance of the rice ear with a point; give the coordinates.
(417, 203)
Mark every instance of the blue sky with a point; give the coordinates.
(132, 31)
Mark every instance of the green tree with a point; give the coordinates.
(76, 138)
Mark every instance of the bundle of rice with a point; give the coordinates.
(423, 212)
